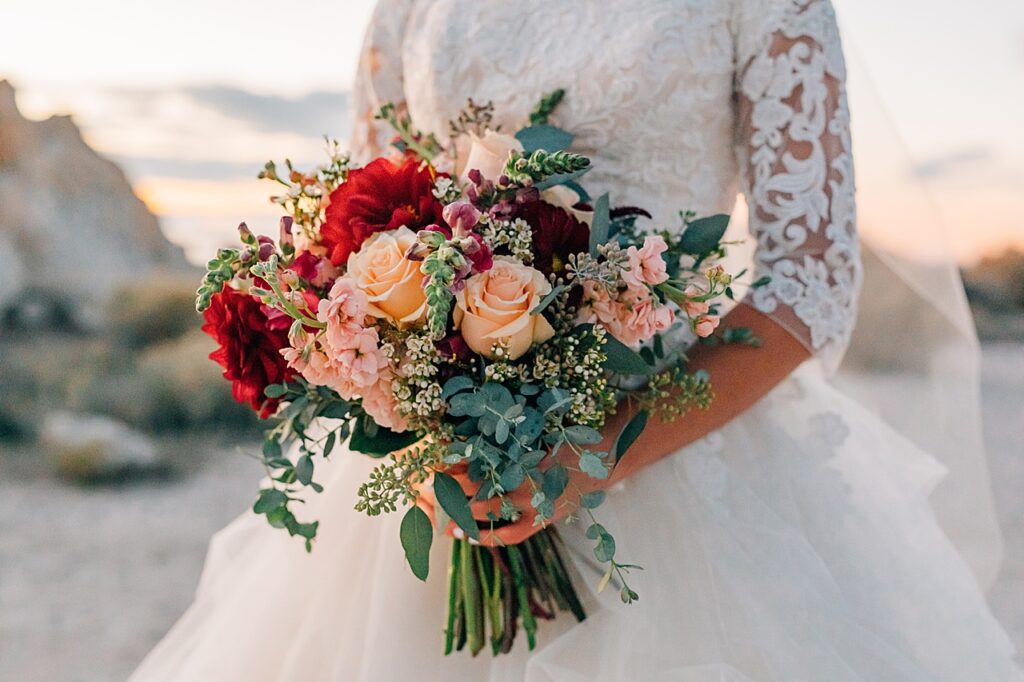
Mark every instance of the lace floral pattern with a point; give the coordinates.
(684, 100)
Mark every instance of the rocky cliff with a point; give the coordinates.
(71, 228)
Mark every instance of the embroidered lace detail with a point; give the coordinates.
(676, 102)
(798, 171)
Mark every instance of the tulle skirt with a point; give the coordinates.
(796, 544)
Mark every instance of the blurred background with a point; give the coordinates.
(130, 137)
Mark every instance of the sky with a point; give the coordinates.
(192, 96)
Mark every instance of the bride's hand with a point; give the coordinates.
(497, 533)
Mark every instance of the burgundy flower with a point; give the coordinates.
(250, 349)
(556, 235)
(380, 196)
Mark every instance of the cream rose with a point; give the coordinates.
(566, 198)
(494, 307)
(488, 154)
(392, 283)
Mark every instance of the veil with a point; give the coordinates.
(914, 357)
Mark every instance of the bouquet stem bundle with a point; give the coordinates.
(490, 589)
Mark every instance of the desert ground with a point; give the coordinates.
(91, 577)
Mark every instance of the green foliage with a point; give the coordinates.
(220, 270)
(546, 106)
(372, 439)
(703, 236)
(546, 137)
(417, 535)
(540, 165)
(453, 500)
(600, 224)
(630, 432)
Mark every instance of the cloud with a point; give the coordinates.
(314, 114)
(949, 164)
(143, 166)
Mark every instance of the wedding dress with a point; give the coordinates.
(795, 544)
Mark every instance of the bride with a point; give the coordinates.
(787, 531)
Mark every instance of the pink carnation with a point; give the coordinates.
(358, 359)
(694, 309)
(633, 317)
(646, 266)
(706, 325)
(343, 311)
(379, 402)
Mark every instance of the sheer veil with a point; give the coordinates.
(914, 357)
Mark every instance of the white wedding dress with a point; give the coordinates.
(797, 544)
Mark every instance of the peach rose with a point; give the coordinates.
(392, 283)
(488, 154)
(694, 309)
(495, 306)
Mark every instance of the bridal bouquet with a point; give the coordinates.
(468, 314)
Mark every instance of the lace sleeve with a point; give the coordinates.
(794, 148)
(378, 78)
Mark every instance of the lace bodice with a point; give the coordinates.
(679, 103)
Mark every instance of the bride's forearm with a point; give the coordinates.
(740, 376)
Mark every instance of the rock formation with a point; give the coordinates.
(71, 228)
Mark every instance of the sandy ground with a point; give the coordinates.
(90, 578)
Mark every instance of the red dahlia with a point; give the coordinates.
(250, 349)
(556, 235)
(380, 196)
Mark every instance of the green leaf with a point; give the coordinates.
(630, 432)
(466, 404)
(512, 477)
(561, 179)
(704, 235)
(592, 500)
(605, 549)
(555, 480)
(579, 434)
(417, 536)
(271, 449)
(383, 442)
(547, 137)
(336, 409)
(599, 224)
(329, 443)
(270, 498)
(452, 499)
(304, 470)
(622, 359)
(592, 466)
(595, 530)
(275, 390)
(455, 385)
(549, 298)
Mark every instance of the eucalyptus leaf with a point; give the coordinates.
(703, 236)
(304, 470)
(336, 409)
(456, 384)
(592, 466)
(269, 498)
(547, 137)
(579, 434)
(417, 536)
(513, 477)
(452, 499)
(275, 390)
(605, 548)
(593, 499)
(555, 480)
(630, 432)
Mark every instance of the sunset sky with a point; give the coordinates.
(191, 97)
